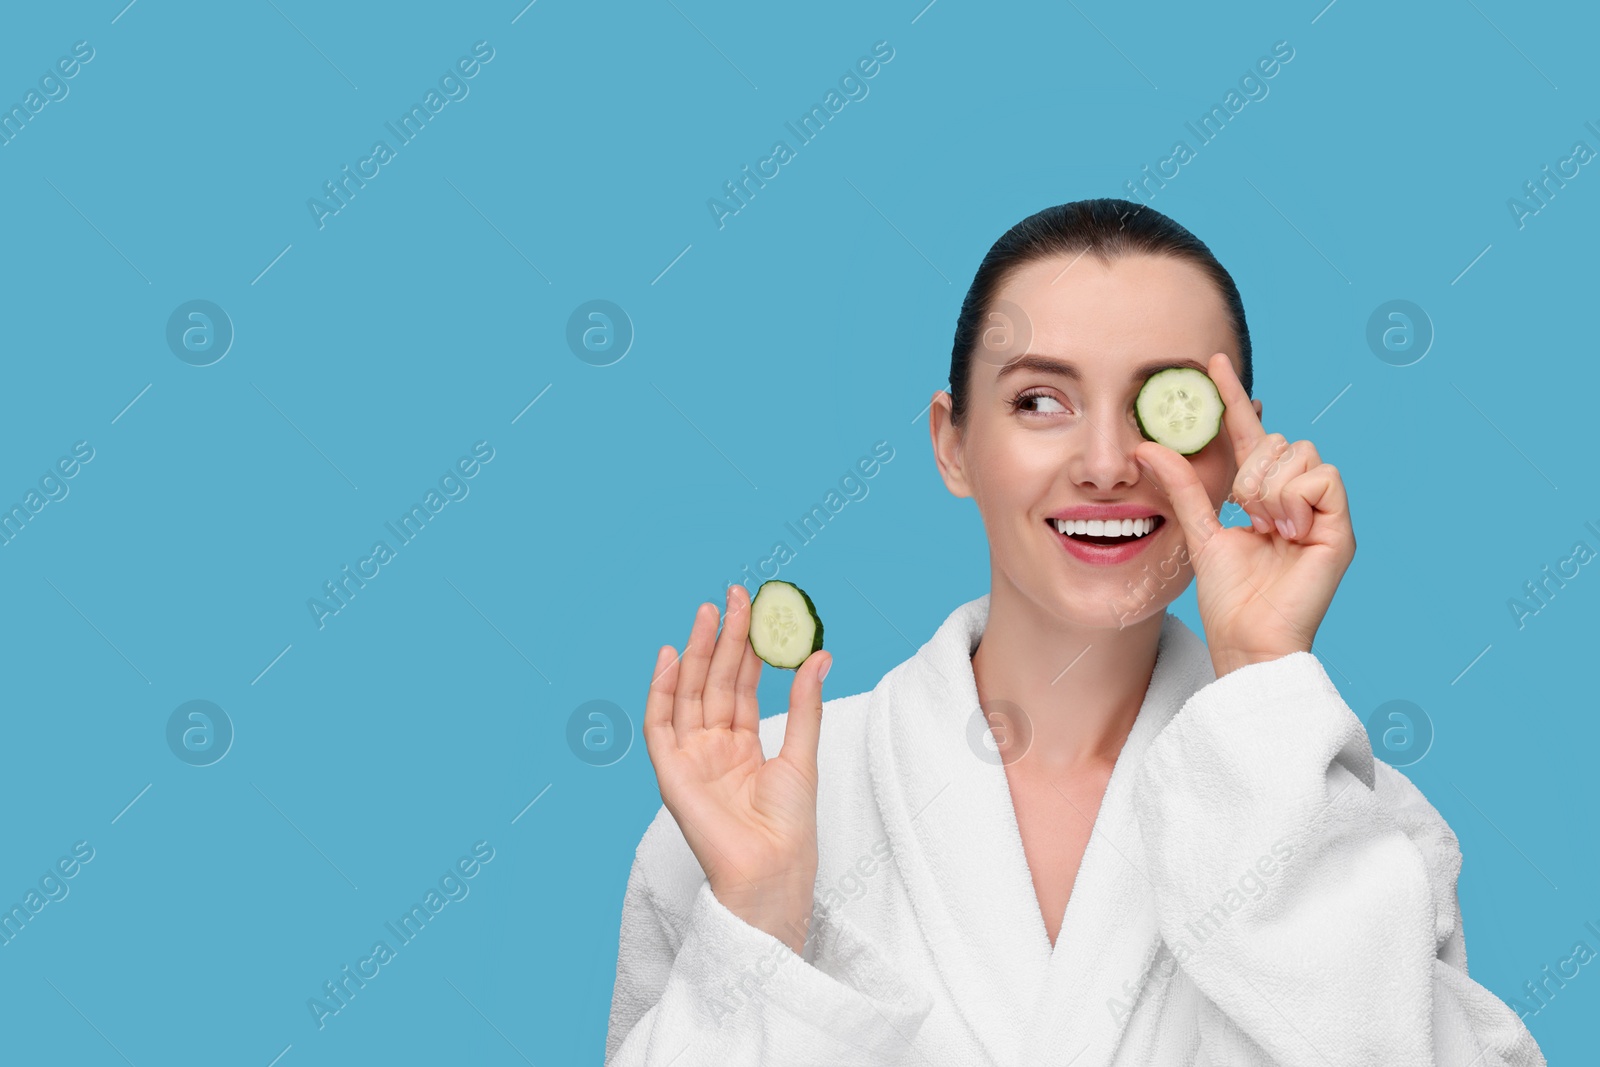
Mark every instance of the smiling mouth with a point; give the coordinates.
(1128, 530)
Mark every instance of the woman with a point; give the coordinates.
(1066, 830)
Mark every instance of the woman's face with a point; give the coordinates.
(1041, 440)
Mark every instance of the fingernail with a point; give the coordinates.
(826, 667)
(1261, 525)
(1285, 527)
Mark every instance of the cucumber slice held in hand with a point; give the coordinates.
(1180, 408)
(784, 625)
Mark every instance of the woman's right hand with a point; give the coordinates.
(751, 821)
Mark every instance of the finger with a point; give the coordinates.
(658, 703)
(1287, 511)
(725, 660)
(688, 714)
(1250, 485)
(804, 724)
(1238, 414)
(746, 711)
(1316, 504)
(1309, 452)
(1279, 463)
(1191, 504)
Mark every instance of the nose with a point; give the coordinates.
(1104, 454)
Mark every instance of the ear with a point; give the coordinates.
(947, 451)
(1257, 403)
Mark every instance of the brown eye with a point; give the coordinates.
(1030, 401)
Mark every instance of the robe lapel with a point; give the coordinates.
(948, 814)
(1110, 937)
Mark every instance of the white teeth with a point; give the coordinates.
(1106, 527)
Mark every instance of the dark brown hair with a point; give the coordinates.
(1104, 227)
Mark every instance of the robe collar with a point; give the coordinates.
(953, 832)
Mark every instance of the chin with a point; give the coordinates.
(1119, 601)
(1094, 604)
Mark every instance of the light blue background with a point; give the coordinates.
(772, 354)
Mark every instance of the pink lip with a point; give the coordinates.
(1105, 555)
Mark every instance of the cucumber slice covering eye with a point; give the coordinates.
(1180, 408)
(784, 625)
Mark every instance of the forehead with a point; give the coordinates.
(1132, 308)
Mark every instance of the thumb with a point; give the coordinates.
(804, 725)
(1191, 504)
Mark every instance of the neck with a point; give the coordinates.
(1078, 689)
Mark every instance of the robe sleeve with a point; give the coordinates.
(707, 988)
(1308, 889)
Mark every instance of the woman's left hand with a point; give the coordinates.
(1262, 590)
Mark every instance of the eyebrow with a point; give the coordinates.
(1050, 365)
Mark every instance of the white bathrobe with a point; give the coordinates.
(1258, 889)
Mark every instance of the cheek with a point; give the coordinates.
(1014, 470)
(1029, 484)
(1216, 471)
